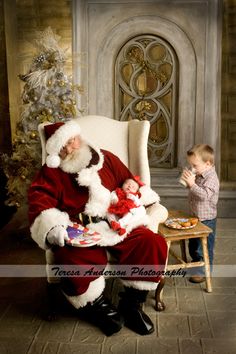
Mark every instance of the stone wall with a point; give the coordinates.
(23, 18)
(20, 19)
(228, 145)
(5, 136)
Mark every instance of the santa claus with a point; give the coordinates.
(79, 178)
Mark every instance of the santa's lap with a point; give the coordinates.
(140, 248)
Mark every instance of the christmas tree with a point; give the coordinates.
(48, 95)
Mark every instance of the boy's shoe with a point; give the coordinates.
(197, 279)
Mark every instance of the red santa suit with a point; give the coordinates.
(57, 197)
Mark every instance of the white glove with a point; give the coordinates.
(57, 236)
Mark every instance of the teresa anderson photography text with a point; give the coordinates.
(118, 271)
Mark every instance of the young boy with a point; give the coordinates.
(203, 198)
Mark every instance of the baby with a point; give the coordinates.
(125, 208)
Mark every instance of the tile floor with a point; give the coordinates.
(194, 322)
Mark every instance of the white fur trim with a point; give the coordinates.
(139, 284)
(45, 222)
(137, 217)
(114, 197)
(61, 136)
(53, 161)
(137, 221)
(99, 196)
(94, 290)
(109, 237)
(148, 196)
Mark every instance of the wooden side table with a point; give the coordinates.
(175, 235)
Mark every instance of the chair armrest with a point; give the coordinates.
(157, 213)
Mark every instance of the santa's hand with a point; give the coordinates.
(57, 236)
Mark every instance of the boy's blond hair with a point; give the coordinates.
(205, 152)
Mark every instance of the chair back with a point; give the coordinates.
(128, 140)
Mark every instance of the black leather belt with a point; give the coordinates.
(97, 219)
(85, 219)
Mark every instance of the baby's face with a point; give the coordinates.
(130, 186)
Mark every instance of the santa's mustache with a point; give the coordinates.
(73, 155)
(77, 159)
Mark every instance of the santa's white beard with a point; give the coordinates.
(77, 160)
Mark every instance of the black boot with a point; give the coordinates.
(103, 315)
(130, 307)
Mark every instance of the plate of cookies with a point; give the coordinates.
(81, 236)
(181, 223)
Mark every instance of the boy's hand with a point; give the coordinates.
(189, 177)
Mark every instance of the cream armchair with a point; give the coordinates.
(128, 140)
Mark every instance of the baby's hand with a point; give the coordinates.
(134, 198)
(131, 196)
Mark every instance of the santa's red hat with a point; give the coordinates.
(57, 135)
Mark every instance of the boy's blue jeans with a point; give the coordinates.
(195, 247)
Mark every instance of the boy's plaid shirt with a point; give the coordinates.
(204, 194)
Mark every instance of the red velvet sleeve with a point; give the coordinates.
(44, 191)
(118, 171)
